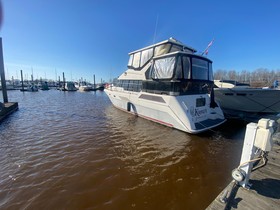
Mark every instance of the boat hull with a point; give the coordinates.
(249, 100)
(180, 112)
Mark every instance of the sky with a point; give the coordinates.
(83, 38)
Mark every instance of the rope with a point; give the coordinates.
(247, 162)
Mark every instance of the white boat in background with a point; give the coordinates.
(235, 98)
(230, 84)
(9, 86)
(69, 86)
(32, 88)
(169, 84)
(83, 86)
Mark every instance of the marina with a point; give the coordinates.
(74, 150)
(191, 122)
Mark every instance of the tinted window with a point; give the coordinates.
(186, 66)
(178, 72)
(211, 78)
(199, 69)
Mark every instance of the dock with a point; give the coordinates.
(264, 192)
(7, 109)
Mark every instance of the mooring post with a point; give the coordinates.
(63, 80)
(22, 85)
(2, 74)
(94, 86)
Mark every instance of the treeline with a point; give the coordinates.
(261, 77)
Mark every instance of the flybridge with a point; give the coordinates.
(139, 58)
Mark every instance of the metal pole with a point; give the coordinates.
(63, 80)
(2, 72)
(94, 86)
(22, 85)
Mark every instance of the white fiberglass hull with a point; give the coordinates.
(180, 112)
(249, 99)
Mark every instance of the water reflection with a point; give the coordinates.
(146, 148)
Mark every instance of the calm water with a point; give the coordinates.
(74, 150)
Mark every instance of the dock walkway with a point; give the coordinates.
(265, 190)
(8, 109)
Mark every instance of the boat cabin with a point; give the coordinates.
(168, 67)
(179, 73)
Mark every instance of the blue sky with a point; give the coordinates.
(86, 37)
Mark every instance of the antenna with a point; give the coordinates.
(155, 30)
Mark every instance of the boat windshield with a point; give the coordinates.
(182, 66)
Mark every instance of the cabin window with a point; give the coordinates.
(130, 60)
(136, 60)
(186, 66)
(178, 72)
(125, 84)
(130, 85)
(211, 78)
(163, 68)
(162, 49)
(199, 69)
(146, 56)
(175, 48)
(200, 102)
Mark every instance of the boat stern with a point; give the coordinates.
(197, 115)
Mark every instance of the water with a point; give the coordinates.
(74, 150)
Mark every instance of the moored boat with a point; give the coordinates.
(236, 98)
(32, 88)
(44, 86)
(83, 86)
(69, 86)
(169, 84)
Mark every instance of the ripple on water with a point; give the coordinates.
(75, 151)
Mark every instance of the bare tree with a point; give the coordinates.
(258, 78)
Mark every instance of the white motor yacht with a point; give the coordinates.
(169, 84)
(235, 97)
